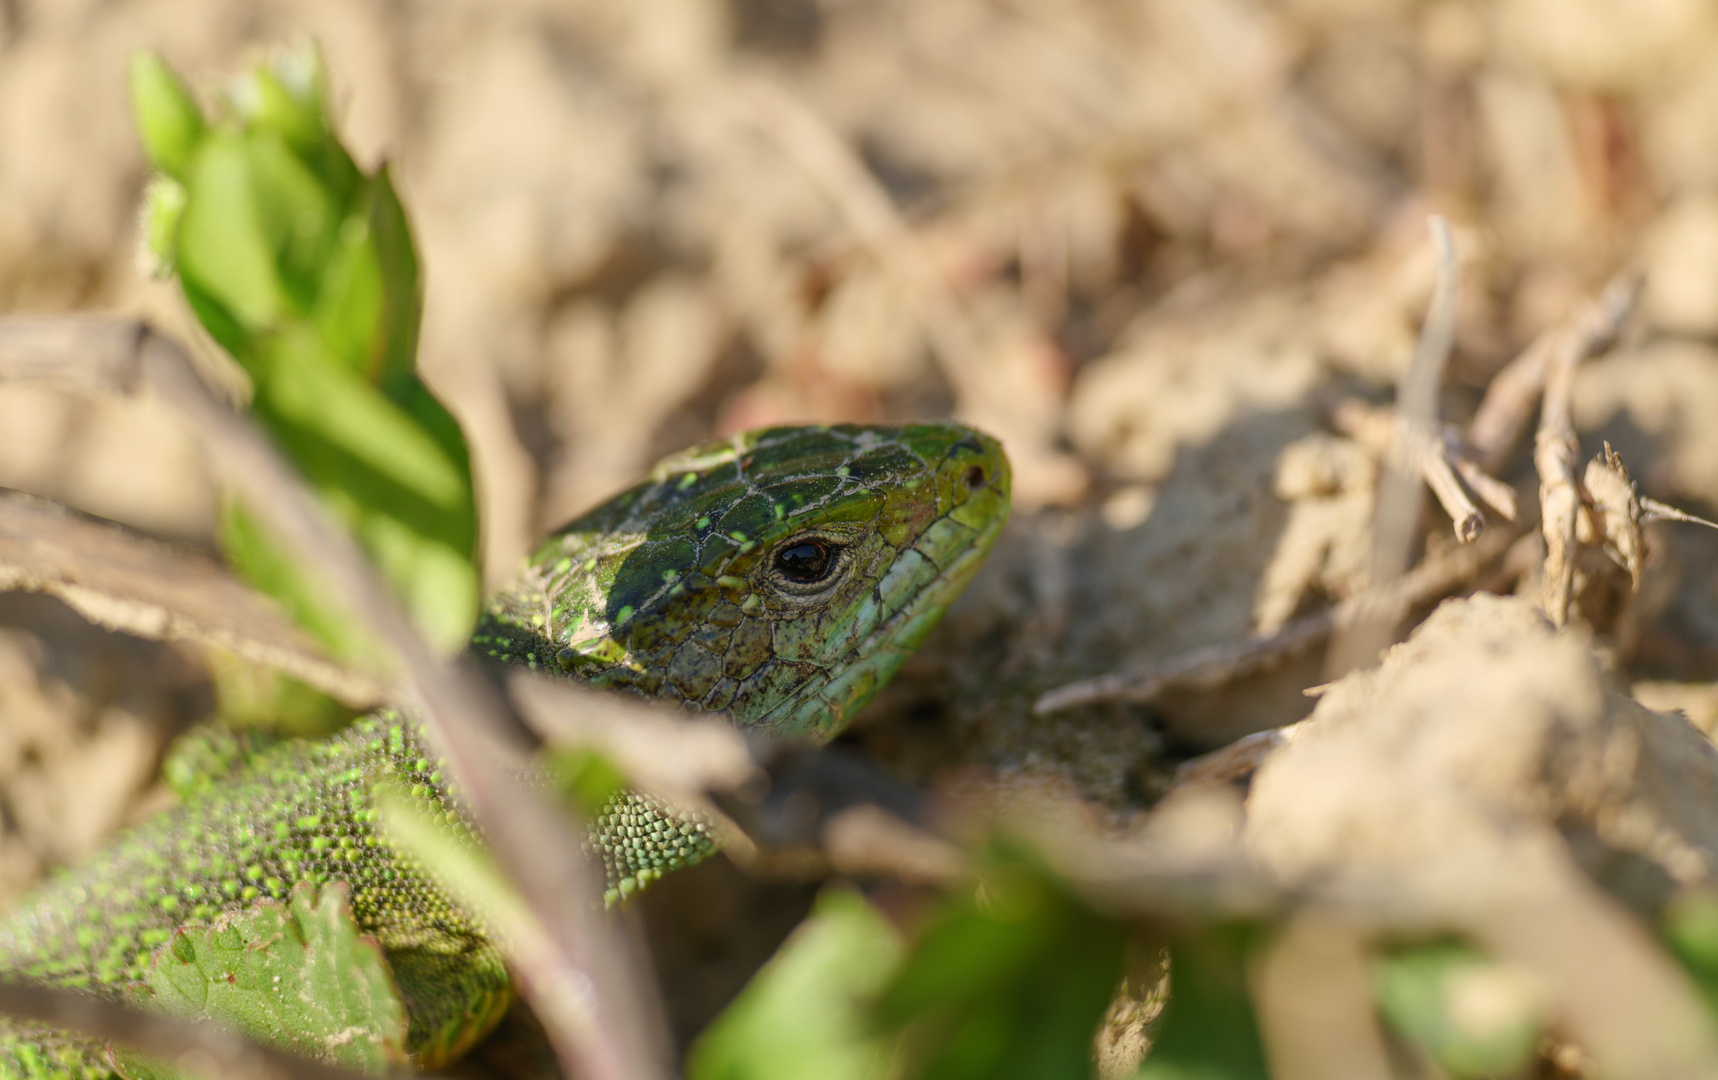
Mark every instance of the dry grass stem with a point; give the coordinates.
(164, 592)
(1515, 392)
(1653, 510)
(1556, 448)
(1396, 514)
(867, 841)
(80, 355)
(660, 750)
(1439, 458)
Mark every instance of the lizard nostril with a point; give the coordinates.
(975, 478)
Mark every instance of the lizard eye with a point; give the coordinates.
(805, 563)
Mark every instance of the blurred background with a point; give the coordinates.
(1143, 242)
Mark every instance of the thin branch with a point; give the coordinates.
(1491, 491)
(1653, 510)
(1441, 478)
(1436, 456)
(1396, 516)
(1439, 457)
(164, 592)
(81, 355)
(1556, 449)
(660, 750)
(1515, 392)
(1198, 669)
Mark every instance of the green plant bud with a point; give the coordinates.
(168, 118)
(163, 208)
(285, 97)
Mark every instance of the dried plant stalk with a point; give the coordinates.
(1556, 449)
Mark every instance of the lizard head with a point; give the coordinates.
(780, 575)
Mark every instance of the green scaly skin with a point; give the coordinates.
(680, 589)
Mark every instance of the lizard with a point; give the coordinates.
(779, 576)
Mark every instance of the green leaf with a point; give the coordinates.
(401, 485)
(285, 97)
(349, 309)
(804, 1013)
(347, 436)
(1462, 1007)
(402, 299)
(228, 242)
(167, 116)
(305, 271)
(370, 305)
(1011, 981)
(257, 232)
(303, 594)
(296, 975)
(1208, 1030)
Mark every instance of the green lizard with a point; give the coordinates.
(780, 576)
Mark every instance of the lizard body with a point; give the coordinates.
(780, 576)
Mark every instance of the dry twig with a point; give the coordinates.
(1438, 456)
(1396, 515)
(164, 592)
(662, 751)
(1612, 512)
(1515, 392)
(1556, 447)
(1313, 988)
